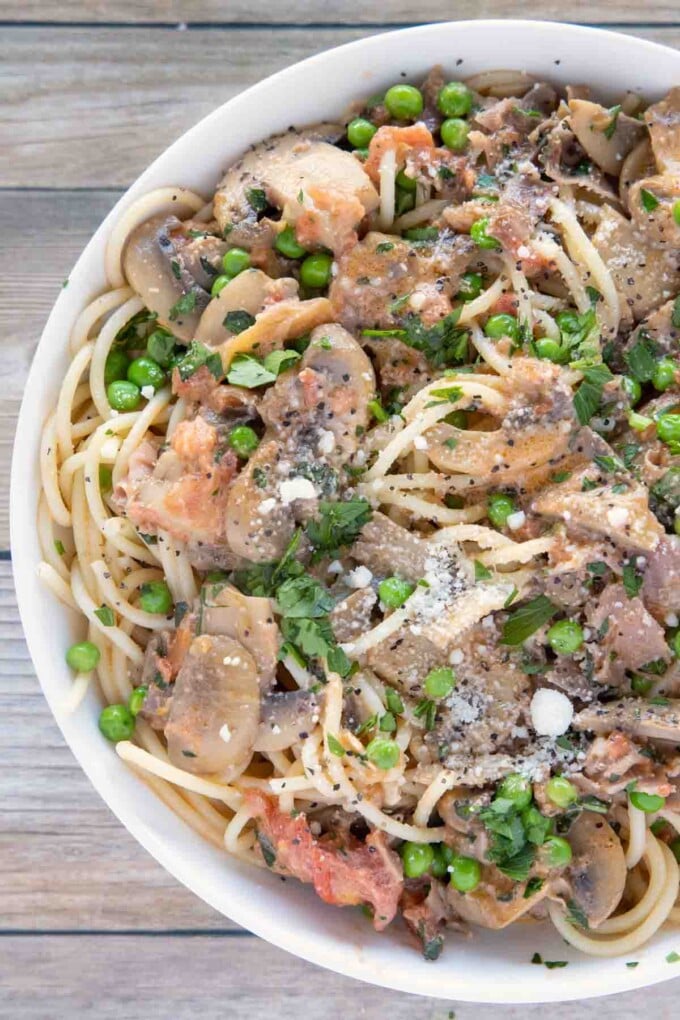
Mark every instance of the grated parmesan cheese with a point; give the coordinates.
(296, 488)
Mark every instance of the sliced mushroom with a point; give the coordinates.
(633, 715)
(352, 616)
(329, 390)
(661, 587)
(638, 163)
(247, 619)
(565, 162)
(250, 292)
(624, 518)
(606, 138)
(658, 224)
(259, 525)
(597, 872)
(640, 272)
(320, 189)
(155, 272)
(495, 903)
(287, 718)
(386, 549)
(215, 710)
(663, 121)
(278, 323)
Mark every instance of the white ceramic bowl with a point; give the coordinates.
(491, 967)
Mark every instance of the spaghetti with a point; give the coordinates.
(369, 599)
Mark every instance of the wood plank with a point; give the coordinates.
(210, 977)
(68, 122)
(65, 861)
(305, 12)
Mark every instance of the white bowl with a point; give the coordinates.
(490, 967)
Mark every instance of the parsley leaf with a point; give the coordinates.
(614, 112)
(427, 711)
(576, 915)
(482, 573)
(238, 320)
(335, 747)
(526, 620)
(186, 304)
(278, 361)
(632, 580)
(641, 359)
(648, 201)
(338, 524)
(256, 199)
(589, 394)
(675, 317)
(303, 596)
(249, 372)
(197, 356)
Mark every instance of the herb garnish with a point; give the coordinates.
(186, 304)
(526, 620)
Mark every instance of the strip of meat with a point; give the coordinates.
(347, 875)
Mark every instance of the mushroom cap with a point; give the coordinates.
(247, 292)
(215, 711)
(592, 125)
(597, 872)
(149, 266)
(259, 535)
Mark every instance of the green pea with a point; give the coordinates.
(443, 859)
(417, 858)
(675, 845)
(315, 271)
(136, 699)
(455, 99)
(470, 286)
(244, 440)
(561, 792)
(465, 873)
(287, 244)
(235, 261)
(549, 350)
(516, 789)
(394, 592)
(458, 419)
(145, 371)
(641, 685)
(650, 803)
(83, 656)
(116, 365)
(123, 395)
(454, 133)
(499, 508)
(404, 102)
(359, 132)
(676, 212)
(565, 637)
(161, 347)
(667, 428)
(664, 374)
(383, 753)
(155, 597)
(219, 283)
(478, 233)
(568, 322)
(500, 325)
(558, 851)
(117, 722)
(440, 682)
(405, 182)
(631, 387)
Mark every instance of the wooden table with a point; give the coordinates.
(90, 925)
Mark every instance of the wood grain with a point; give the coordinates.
(65, 862)
(211, 977)
(70, 124)
(302, 12)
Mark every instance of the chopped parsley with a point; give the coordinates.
(335, 747)
(641, 358)
(589, 394)
(337, 524)
(526, 620)
(482, 573)
(256, 199)
(632, 579)
(105, 615)
(59, 547)
(238, 320)
(648, 201)
(186, 304)
(614, 112)
(196, 356)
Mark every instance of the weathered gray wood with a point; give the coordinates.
(311, 11)
(65, 861)
(213, 977)
(70, 122)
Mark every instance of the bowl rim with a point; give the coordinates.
(23, 543)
